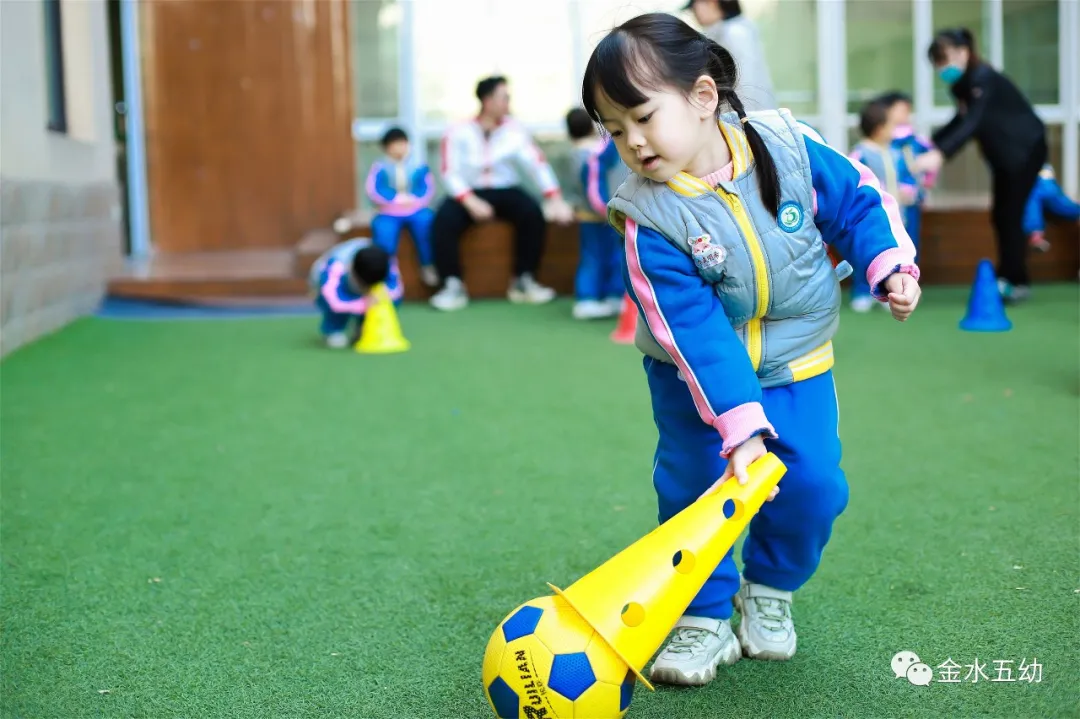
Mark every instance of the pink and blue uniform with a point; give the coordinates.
(600, 260)
(739, 308)
(892, 167)
(336, 293)
(401, 193)
(908, 144)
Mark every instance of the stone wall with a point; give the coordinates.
(59, 243)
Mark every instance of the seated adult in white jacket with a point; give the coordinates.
(480, 169)
(723, 21)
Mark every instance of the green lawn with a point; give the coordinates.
(222, 519)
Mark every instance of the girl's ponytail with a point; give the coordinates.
(722, 69)
(768, 179)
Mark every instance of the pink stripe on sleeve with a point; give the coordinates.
(888, 203)
(430, 181)
(329, 293)
(904, 252)
(658, 325)
(372, 192)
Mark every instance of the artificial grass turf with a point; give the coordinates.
(222, 519)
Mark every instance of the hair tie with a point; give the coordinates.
(744, 120)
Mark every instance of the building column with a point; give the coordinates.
(832, 71)
(922, 36)
(1069, 93)
(134, 131)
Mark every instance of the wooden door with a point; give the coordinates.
(248, 112)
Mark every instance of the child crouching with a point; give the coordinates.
(341, 280)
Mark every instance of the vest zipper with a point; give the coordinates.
(761, 274)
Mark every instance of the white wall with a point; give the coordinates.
(28, 150)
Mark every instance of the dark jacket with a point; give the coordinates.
(997, 115)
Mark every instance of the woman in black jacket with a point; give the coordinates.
(1011, 137)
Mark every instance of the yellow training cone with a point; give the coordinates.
(381, 332)
(635, 598)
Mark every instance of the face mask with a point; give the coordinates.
(950, 74)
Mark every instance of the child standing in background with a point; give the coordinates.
(908, 145)
(875, 152)
(401, 192)
(341, 280)
(1046, 196)
(598, 284)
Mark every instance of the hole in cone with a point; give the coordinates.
(733, 509)
(683, 561)
(633, 614)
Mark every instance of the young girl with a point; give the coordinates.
(725, 221)
(876, 153)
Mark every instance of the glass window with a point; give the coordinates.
(789, 34)
(1031, 48)
(879, 46)
(374, 38)
(532, 47)
(966, 176)
(1055, 143)
(959, 13)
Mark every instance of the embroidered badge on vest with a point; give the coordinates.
(790, 217)
(705, 253)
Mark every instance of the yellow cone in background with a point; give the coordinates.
(381, 331)
(635, 598)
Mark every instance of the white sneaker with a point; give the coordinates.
(766, 630)
(591, 310)
(614, 304)
(527, 290)
(453, 296)
(862, 304)
(1013, 294)
(429, 276)
(337, 340)
(698, 646)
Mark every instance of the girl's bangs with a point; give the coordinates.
(619, 69)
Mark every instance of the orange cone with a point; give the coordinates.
(624, 332)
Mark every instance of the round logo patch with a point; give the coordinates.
(790, 217)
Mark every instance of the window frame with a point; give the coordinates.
(56, 93)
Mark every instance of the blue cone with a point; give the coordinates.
(985, 310)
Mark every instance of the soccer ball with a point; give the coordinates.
(545, 662)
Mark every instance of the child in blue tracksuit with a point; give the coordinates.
(340, 281)
(401, 192)
(1046, 197)
(725, 222)
(908, 145)
(879, 153)
(598, 283)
